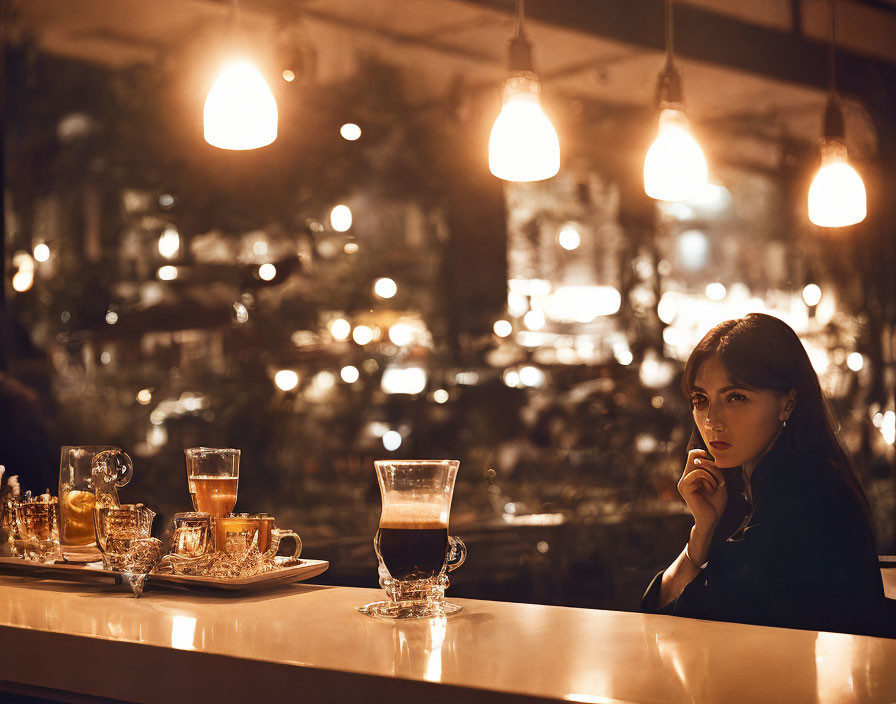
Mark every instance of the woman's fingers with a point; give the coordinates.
(710, 468)
(701, 477)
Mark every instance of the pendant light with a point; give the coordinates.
(837, 194)
(240, 111)
(675, 168)
(523, 145)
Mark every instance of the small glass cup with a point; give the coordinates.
(117, 527)
(412, 544)
(37, 526)
(192, 534)
(212, 478)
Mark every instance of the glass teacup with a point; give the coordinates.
(117, 527)
(192, 534)
(236, 535)
(412, 544)
(37, 527)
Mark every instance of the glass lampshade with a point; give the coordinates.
(837, 194)
(240, 110)
(523, 145)
(675, 168)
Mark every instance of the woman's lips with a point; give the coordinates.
(720, 445)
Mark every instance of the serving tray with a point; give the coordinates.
(94, 572)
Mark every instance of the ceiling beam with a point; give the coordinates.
(703, 35)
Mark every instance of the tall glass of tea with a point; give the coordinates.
(212, 478)
(412, 543)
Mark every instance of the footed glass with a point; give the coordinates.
(412, 543)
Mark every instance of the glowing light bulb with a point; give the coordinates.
(837, 194)
(569, 238)
(341, 218)
(23, 280)
(362, 334)
(391, 440)
(401, 334)
(502, 328)
(240, 111)
(267, 272)
(286, 379)
(42, 252)
(385, 287)
(675, 168)
(716, 291)
(350, 131)
(523, 145)
(340, 329)
(350, 374)
(167, 273)
(169, 242)
(812, 295)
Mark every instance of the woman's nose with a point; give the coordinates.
(713, 423)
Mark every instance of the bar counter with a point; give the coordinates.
(307, 643)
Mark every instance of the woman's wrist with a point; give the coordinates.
(697, 547)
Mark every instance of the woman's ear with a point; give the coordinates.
(789, 404)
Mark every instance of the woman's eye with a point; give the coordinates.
(736, 397)
(698, 401)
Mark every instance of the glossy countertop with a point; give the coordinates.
(177, 646)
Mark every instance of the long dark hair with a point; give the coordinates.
(764, 352)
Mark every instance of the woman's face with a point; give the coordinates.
(738, 424)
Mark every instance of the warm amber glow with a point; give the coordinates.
(675, 168)
(837, 194)
(523, 145)
(240, 110)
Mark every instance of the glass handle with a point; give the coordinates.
(110, 469)
(457, 553)
(276, 535)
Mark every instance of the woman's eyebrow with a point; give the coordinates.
(730, 387)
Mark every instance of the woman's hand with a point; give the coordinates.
(702, 486)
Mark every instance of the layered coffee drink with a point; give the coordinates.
(412, 540)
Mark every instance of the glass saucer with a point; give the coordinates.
(401, 610)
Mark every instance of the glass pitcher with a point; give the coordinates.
(89, 476)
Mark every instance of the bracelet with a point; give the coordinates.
(688, 556)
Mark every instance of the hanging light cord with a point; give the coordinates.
(832, 51)
(669, 35)
(520, 17)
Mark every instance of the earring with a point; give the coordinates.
(784, 424)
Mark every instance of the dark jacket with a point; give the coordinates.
(806, 557)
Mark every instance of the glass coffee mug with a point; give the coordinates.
(412, 544)
(236, 535)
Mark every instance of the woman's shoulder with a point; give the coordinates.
(809, 480)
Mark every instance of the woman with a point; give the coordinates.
(782, 533)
